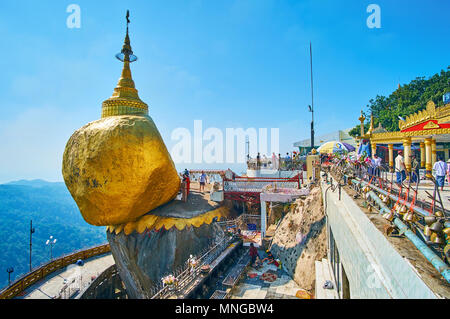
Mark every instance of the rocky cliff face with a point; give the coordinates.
(300, 239)
(143, 259)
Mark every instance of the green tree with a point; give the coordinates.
(406, 100)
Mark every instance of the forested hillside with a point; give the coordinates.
(406, 100)
(53, 212)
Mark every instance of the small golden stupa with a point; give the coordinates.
(118, 168)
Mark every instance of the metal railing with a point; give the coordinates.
(186, 274)
(256, 184)
(91, 291)
(20, 284)
(282, 164)
(241, 221)
(412, 221)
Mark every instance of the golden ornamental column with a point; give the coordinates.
(361, 120)
(422, 154)
(428, 165)
(374, 148)
(391, 156)
(433, 152)
(407, 152)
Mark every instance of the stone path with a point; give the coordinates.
(255, 288)
(51, 286)
(427, 186)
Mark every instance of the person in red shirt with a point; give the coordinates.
(253, 253)
(187, 180)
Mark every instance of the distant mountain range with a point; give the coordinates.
(54, 213)
(34, 183)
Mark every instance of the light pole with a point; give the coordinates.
(9, 270)
(32, 230)
(312, 125)
(51, 241)
(311, 107)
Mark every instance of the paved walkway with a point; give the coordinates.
(51, 286)
(427, 186)
(256, 288)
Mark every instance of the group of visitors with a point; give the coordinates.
(277, 161)
(186, 181)
(441, 169)
(400, 168)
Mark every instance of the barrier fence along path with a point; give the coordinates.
(19, 285)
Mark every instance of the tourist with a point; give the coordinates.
(376, 163)
(440, 167)
(253, 252)
(287, 160)
(414, 169)
(274, 161)
(187, 182)
(400, 168)
(258, 161)
(192, 263)
(203, 180)
(448, 170)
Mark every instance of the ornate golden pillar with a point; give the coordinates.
(428, 165)
(407, 152)
(361, 120)
(422, 154)
(433, 152)
(374, 148)
(391, 156)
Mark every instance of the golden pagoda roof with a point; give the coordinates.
(431, 121)
(125, 99)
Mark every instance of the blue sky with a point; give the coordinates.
(242, 63)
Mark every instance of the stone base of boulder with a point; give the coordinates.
(143, 259)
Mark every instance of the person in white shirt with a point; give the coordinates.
(440, 167)
(203, 180)
(274, 161)
(376, 162)
(400, 168)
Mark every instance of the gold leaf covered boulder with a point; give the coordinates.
(118, 168)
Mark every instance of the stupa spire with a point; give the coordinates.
(125, 99)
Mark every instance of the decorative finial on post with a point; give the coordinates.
(362, 119)
(371, 123)
(127, 53)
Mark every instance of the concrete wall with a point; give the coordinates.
(373, 267)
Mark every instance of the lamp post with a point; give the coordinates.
(312, 125)
(32, 230)
(50, 242)
(311, 107)
(9, 270)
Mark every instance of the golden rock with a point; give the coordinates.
(118, 168)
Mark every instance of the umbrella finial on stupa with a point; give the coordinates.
(125, 99)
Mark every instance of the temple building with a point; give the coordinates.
(425, 133)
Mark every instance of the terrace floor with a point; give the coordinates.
(284, 287)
